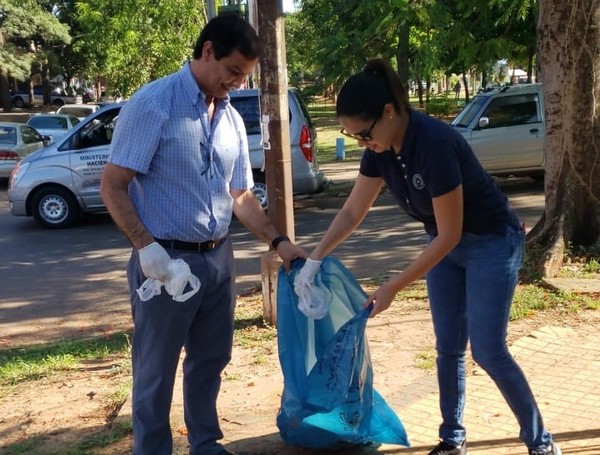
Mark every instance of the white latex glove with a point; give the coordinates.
(154, 261)
(307, 273)
(179, 277)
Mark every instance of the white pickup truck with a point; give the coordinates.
(505, 128)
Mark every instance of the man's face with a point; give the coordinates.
(226, 74)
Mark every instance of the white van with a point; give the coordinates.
(60, 182)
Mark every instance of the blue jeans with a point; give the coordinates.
(470, 294)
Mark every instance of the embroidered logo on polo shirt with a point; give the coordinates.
(418, 181)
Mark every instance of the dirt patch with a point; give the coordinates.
(71, 409)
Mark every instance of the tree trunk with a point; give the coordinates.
(402, 54)
(569, 37)
(466, 86)
(5, 92)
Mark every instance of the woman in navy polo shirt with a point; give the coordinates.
(473, 255)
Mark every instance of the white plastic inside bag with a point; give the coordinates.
(313, 301)
(180, 276)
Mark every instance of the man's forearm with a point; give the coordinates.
(124, 215)
(115, 194)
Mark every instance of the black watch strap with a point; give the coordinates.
(277, 240)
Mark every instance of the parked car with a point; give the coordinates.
(57, 98)
(60, 182)
(17, 140)
(80, 111)
(505, 127)
(53, 125)
(306, 177)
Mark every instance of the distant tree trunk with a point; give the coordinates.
(402, 54)
(569, 37)
(5, 92)
(466, 86)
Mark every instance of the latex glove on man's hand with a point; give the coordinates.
(306, 276)
(154, 261)
(160, 269)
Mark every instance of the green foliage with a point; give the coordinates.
(138, 40)
(441, 106)
(27, 32)
(34, 362)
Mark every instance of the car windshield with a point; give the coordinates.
(8, 135)
(76, 111)
(466, 116)
(52, 123)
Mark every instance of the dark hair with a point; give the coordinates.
(229, 32)
(365, 94)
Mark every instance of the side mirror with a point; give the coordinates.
(484, 122)
(47, 140)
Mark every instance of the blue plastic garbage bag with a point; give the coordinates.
(328, 399)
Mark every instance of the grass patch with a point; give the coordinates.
(91, 444)
(425, 360)
(251, 330)
(39, 361)
(328, 131)
(530, 298)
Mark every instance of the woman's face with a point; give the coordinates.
(375, 134)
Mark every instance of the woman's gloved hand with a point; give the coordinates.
(307, 273)
(154, 261)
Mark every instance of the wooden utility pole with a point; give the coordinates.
(276, 140)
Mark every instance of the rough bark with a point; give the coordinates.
(569, 43)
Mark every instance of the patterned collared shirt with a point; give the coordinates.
(185, 164)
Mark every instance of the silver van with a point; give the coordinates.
(505, 128)
(60, 182)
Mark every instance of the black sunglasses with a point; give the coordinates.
(362, 135)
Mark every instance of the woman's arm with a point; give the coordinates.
(354, 210)
(448, 211)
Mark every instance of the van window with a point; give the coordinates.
(248, 107)
(99, 131)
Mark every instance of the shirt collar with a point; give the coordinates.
(191, 86)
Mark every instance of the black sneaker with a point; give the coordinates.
(552, 449)
(443, 448)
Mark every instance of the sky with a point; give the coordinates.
(288, 6)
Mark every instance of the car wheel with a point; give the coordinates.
(260, 192)
(57, 104)
(18, 102)
(55, 208)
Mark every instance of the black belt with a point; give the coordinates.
(193, 246)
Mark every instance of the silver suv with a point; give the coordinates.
(505, 128)
(306, 177)
(60, 182)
